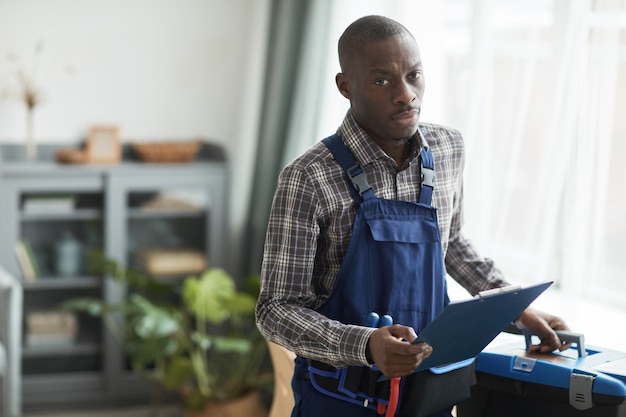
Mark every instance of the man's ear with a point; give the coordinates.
(343, 85)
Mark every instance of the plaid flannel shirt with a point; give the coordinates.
(310, 226)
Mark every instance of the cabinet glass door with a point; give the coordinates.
(167, 231)
(56, 231)
(164, 227)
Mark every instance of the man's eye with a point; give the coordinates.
(382, 82)
(415, 74)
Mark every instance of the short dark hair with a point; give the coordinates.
(367, 29)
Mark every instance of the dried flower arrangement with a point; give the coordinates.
(28, 91)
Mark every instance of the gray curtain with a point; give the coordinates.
(296, 57)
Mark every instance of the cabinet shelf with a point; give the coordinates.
(157, 214)
(77, 380)
(60, 350)
(75, 215)
(53, 283)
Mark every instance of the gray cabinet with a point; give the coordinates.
(133, 211)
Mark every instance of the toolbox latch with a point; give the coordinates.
(580, 390)
(524, 364)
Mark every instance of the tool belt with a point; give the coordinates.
(421, 393)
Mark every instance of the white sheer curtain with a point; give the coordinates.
(543, 139)
(538, 88)
(546, 144)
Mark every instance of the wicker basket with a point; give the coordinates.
(167, 151)
(160, 262)
(70, 156)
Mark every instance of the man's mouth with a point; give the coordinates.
(407, 117)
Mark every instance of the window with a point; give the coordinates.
(538, 95)
(537, 88)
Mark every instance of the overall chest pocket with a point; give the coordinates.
(403, 231)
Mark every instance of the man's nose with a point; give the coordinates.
(405, 93)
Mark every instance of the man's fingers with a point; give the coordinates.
(394, 356)
(403, 332)
(402, 369)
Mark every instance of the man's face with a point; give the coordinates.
(385, 85)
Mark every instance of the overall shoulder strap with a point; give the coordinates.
(428, 176)
(345, 158)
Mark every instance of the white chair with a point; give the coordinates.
(283, 363)
(11, 296)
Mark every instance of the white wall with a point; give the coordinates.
(158, 69)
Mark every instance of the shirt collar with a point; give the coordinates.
(364, 149)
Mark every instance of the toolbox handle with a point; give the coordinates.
(566, 336)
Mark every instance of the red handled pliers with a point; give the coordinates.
(373, 320)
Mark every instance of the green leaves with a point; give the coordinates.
(91, 306)
(239, 345)
(196, 336)
(178, 371)
(213, 297)
(153, 321)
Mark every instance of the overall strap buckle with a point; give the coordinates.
(359, 179)
(355, 172)
(427, 175)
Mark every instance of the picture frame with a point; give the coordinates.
(103, 145)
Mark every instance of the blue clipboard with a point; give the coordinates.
(465, 328)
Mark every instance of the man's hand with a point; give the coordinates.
(389, 349)
(544, 325)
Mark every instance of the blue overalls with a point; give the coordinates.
(393, 266)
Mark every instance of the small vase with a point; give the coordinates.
(31, 146)
(68, 255)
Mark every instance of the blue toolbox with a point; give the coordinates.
(580, 381)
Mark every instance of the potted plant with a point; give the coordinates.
(197, 338)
